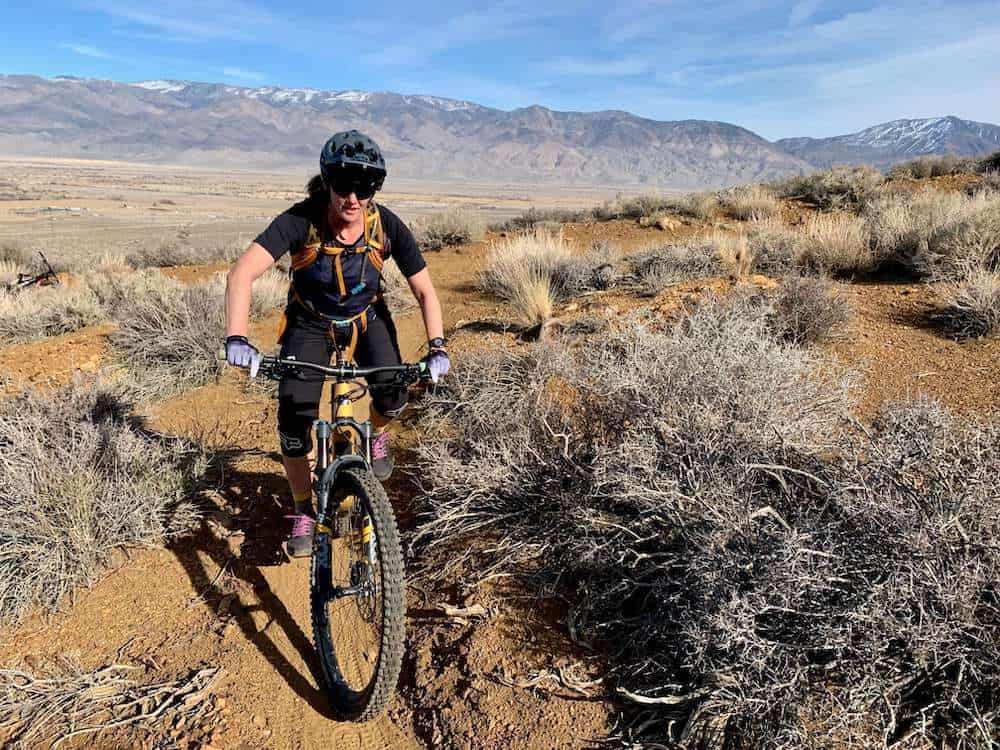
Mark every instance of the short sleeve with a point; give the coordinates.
(403, 247)
(287, 231)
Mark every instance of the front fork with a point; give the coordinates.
(338, 522)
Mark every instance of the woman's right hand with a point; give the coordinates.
(241, 353)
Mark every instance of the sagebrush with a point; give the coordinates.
(79, 478)
(758, 570)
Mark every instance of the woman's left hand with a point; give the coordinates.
(438, 364)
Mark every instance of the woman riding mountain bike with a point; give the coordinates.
(339, 239)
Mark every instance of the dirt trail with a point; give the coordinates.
(228, 597)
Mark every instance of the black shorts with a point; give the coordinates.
(307, 339)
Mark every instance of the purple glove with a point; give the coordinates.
(438, 364)
(241, 353)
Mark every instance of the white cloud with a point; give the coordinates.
(626, 66)
(431, 36)
(246, 75)
(87, 50)
(201, 20)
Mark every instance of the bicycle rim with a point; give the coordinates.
(358, 636)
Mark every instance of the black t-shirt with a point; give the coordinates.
(289, 231)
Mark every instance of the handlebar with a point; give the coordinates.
(276, 367)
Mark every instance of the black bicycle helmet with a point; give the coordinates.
(351, 149)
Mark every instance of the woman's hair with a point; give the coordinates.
(315, 186)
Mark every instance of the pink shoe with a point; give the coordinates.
(299, 543)
(381, 456)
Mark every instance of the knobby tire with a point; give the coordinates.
(360, 703)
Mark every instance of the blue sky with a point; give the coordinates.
(806, 67)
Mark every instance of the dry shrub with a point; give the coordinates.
(932, 166)
(633, 207)
(750, 202)
(169, 343)
(808, 309)
(656, 268)
(453, 227)
(532, 273)
(397, 292)
(700, 206)
(761, 574)
(774, 246)
(182, 251)
(37, 312)
(990, 163)
(522, 271)
(119, 291)
(972, 241)
(79, 478)
(15, 254)
(835, 243)
(66, 701)
(935, 233)
(837, 189)
(971, 307)
(989, 182)
(527, 221)
(163, 254)
(734, 252)
(169, 334)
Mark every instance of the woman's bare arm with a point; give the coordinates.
(426, 296)
(239, 284)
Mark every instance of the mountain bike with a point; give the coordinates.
(24, 280)
(356, 587)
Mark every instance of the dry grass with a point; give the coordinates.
(733, 252)
(528, 272)
(37, 312)
(971, 307)
(701, 206)
(15, 254)
(79, 478)
(835, 243)
(774, 245)
(68, 702)
(750, 203)
(454, 227)
(936, 233)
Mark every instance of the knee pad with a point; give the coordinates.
(295, 444)
(389, 401)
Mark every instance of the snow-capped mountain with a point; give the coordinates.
(278, 96)
(427, 137)
(891, 142)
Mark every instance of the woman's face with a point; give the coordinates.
(348, 208)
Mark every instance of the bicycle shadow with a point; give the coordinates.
(251, 504)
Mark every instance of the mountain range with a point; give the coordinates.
(432, 137)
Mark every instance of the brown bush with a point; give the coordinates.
(750, 203)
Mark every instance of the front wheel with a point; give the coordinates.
(357, 597)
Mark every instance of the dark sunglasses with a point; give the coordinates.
(362, 188)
